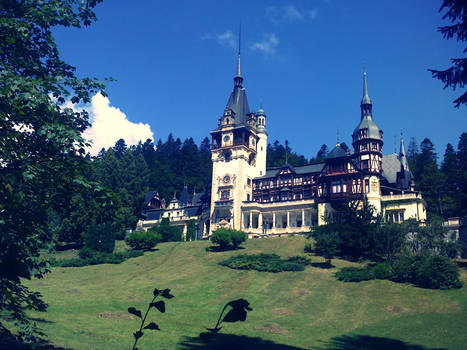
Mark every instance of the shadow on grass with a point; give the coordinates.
(364, 342)
(322, 265)
(8, 341)
(217, 249)
(231, 342)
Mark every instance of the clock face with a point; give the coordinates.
(226, 179)
(226, 138)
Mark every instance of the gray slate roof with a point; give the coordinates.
(391, 166)
(337, 152)
(305, 169)
(367, 123)
(238, 103)
(149, 195)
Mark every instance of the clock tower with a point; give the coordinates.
(238, 154)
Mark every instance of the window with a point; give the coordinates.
(248, 181)
(401, 216)
(228, 156)
(367, 186)
(248, 197)
(225, 194)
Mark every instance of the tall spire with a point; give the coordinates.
(402, 155)
(365, 105)
(238, 80)
(366, 98)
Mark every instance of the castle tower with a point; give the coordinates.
(234, 155)
(262, 142)
(367, 141)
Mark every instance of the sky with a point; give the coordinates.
(173, 63)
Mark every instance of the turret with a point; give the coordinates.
(367, 138)
(262, 144)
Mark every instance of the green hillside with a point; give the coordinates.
(309, 309)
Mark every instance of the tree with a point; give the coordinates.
(327, 241)
(462, 162)
(450, 170)
(191, 230)
(456, 75)
(41, 148)
(428, 178)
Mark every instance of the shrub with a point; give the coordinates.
(228, 239)
(354, 274)
(369, 272)
(308, 248)
(436, 272)
(300, 260)
(100, 237)
(222, 238)
(140, 240)
(96, 258)
(86, 253)
(265, 262)
(382, 271)
(237, 237)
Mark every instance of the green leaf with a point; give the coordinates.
(159, 305)
(135, 312)
(152, 326)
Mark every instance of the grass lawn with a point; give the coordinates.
(308, 309)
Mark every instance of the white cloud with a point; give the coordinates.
(110, 124)
(289, 13)
(226, 38)
(268, 45)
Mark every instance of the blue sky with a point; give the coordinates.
(174, 62)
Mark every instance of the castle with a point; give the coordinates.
(245, 195)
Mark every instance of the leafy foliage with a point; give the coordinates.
(266, 262)
(423, 270)
(159, 305)
(427, 271)
(228, 239)
(41, 148)
(91, 257)
(140, 240)
(191, 230)
(456, 75)
(101, 238)
(167, 231)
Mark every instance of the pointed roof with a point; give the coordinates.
(238, 101)
(184, 197)
(337, 152)
(366, 122)
(403, 155)
(366, 99)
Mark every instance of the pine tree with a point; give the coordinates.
(462, 163)
(450, 170)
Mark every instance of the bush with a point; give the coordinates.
(382, 271)
(222, 238)
(100, 237)
(436, 272)
(140, 240)
(308, 248)
(86, 253)
(354, 274)
(238, 237)
(369, 272)
(300, 260)
(265, 262)
(96, 258)
(228, 239)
